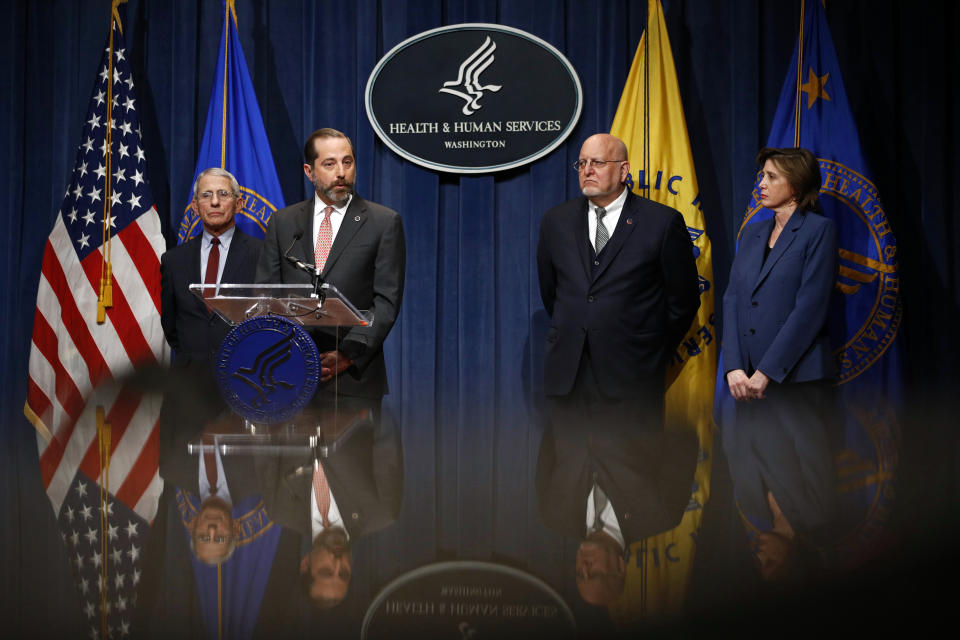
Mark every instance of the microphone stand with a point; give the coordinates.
(312, 270)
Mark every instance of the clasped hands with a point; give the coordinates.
(333, 363)
(743, 388)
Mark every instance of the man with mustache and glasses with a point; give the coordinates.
(619, 281)
(360, 247)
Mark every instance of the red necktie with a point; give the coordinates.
(210, 467)
(213, 266)
(321, 491)
(324, 240)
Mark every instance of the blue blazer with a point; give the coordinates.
(775, 312)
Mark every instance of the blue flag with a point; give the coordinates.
(235, 140)
(230, 595)
(865, 309)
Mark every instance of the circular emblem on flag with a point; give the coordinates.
(267, 369)
(866, 306)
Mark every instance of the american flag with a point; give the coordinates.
(74, 353)
(103, 536)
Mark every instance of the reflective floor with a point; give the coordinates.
(354, 519)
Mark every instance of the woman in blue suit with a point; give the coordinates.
(777, 357)
(775, 306)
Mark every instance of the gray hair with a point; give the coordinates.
(222, 173)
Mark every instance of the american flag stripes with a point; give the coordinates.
(107, 232)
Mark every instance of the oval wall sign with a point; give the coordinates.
(468, 599)
(473, 98)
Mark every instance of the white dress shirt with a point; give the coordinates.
(609, 220)
(223, 491)
(608, 518)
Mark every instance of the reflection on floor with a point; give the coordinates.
(347, 520)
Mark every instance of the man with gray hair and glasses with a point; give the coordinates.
(221, 254)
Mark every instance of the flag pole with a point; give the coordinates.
(105, 294)
(645, 183)
(797, 102)
(229, 8)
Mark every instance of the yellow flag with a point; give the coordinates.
(650, 121)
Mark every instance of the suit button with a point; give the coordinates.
(752, 331)
(596, 263)
(589, 298)
(355, 515)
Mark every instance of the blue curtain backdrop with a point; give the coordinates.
(464, 357)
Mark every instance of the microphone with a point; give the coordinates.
(296, 262)
(303, 266)
(296, 236)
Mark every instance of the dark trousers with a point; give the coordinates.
(588, 405)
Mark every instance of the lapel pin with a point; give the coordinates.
(356, 218)
(629, 220)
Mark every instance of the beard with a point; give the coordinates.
(329, 191)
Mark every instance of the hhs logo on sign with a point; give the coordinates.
(473, 98)
(469, 78)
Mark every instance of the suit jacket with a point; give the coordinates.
(630, 306)
(647, 476)
(187, 409)
(193, 332)
(366, 263)
(782, 444)
(365, 477)
(775, 311)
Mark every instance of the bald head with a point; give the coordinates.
(601, 569)
(614, 146)
(603, 183)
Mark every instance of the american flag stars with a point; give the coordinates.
(125, 534)
(86, 193)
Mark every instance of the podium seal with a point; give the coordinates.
(267, 369)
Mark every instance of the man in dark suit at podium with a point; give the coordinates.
(360, 247)
(619, 281)
(333, 500)
(221, 254)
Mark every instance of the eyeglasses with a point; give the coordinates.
(222, 194)
(203, 537)
(580, 165)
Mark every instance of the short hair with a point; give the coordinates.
(310, 149)
(802, 171)
(222, 173)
